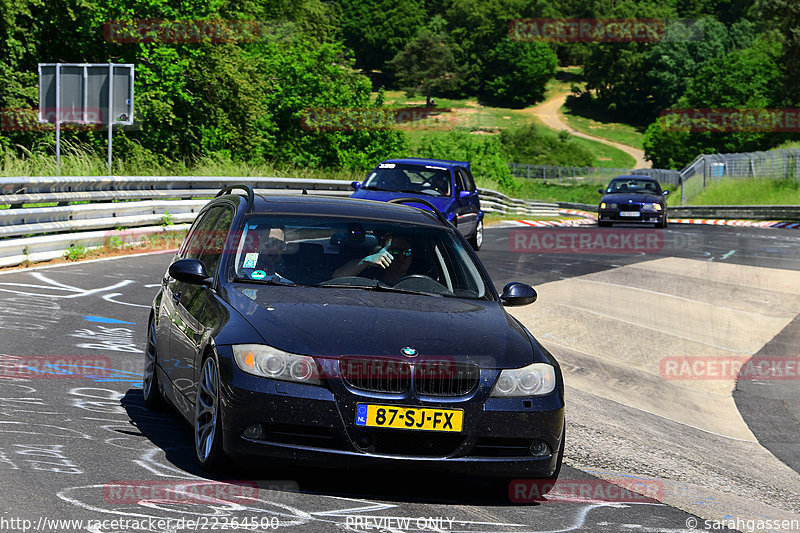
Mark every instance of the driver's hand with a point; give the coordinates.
(382, 258)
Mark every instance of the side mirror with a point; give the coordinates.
(464, 194)
(601, 191)
(516, 293)
(355, 185)
(191, 271)
(666, 193)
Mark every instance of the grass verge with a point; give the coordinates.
(749, 191)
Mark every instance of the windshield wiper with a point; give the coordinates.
(375, 286)
(374, 188)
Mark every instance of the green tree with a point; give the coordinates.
(426, 65)
(747, 79)
(785, 15)
(517, 72)
(378, 30)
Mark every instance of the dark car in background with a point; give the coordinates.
(273, 342)
(633, 200)
(446, 184)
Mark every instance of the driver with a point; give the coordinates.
(262, 265)
(388, 264)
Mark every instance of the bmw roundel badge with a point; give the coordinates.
(408, 351)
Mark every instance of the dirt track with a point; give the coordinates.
(547, 112)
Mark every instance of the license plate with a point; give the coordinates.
(629, 213)
(416, 418)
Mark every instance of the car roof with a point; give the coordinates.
(343, 207)
(432, 162)
(635, 176)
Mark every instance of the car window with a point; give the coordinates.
(468, 182)
(413, 178)
(634, 186)
(460, 184)
(200, 233)
(215, 243)
(330, 251)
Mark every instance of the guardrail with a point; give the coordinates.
(129, 208)
(747, 212)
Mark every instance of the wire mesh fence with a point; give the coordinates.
(708, 168)
(599, 175)
(699, 174)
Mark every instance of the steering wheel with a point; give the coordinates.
(413, 276)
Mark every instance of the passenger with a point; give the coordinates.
(388, 264)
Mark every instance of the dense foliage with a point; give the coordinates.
(246, 99)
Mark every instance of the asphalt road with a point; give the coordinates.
(76, 441)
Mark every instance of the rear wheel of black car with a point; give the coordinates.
(207, 421)
(150, 392)
(603, 224)
(476, 241)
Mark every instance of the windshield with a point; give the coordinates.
(633, 186)
(411, 178)
(340, 253)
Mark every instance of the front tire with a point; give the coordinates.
(476, 241)
(207, 420)
(150, 391)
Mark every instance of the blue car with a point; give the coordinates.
(446, 184)
(341, 333)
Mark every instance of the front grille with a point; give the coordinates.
(431, 378)
(376, 375)
(445, 378)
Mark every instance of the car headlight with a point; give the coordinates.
(651, 207)
(536, 379)
(266, 361)
(602, 205)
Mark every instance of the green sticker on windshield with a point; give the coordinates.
(258, 274)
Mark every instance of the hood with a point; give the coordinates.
(442, 203)
(622, 198)
(334, 322)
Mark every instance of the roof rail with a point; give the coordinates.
(248, 189)
(410, 200)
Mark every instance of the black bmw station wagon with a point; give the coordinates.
(338, 332)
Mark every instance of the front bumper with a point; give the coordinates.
(644, 217)
(315, 426)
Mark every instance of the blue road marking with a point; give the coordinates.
(105, 320)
